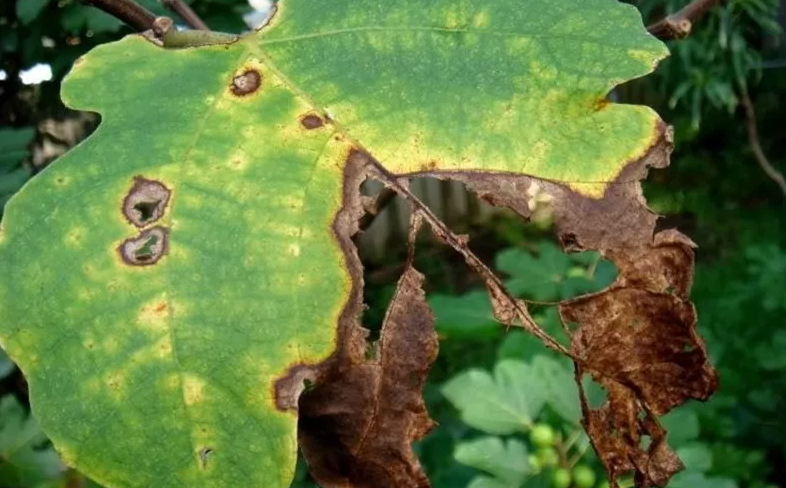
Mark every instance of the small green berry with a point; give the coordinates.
(583, 476)
(542, 435)
(548, 456)
(535, 464)
(560, 478)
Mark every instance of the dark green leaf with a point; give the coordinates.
(28, 10)
(468, 316)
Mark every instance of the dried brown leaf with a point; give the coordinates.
(638, 339)
(356, 427)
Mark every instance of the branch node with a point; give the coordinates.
(679, 25)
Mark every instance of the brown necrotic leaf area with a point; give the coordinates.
(145, 249)
(638, 340)
(356, 427)
(246, 83)
(638, 337)
(145, 202)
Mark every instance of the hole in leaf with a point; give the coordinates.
(145, 202)
(145, 249)
(145, 252)
(146, 210)
(204, 454)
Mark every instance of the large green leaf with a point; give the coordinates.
(184, 257)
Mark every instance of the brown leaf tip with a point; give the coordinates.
(145, 249)
(145, 202)
(246, 83)
(311, 121)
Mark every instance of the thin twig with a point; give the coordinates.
(497, 290)
(129, 12)
(186, 13)
(755, 143)
(679, 25)
(159, 30)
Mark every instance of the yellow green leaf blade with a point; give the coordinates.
(153, 363)
(463, 85)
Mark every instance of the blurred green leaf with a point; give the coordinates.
(556, 377)
(507, 462)
(23, 460)
(521, 345)
(465, 316)
(11, 139)
(13, 181)
(682, 425)
(486, 482)
(696, 457)
(692, 479)
(508, 402)
(28, 10)
(538, 277)
(552, 274)
(771, 354)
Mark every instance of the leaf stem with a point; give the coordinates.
(678, 25)
(160, 30)
(186, 13)
(755, 142)
(131, 13)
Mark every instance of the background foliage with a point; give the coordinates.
(519, 427)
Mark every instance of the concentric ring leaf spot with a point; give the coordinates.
(169, 269)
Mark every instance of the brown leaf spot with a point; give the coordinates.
(311, 121)
(356, 427)
(600, 104)
(145, 249)
(246, 83)
(145, 202)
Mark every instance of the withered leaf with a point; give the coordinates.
(356, 427)
(638, 339)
